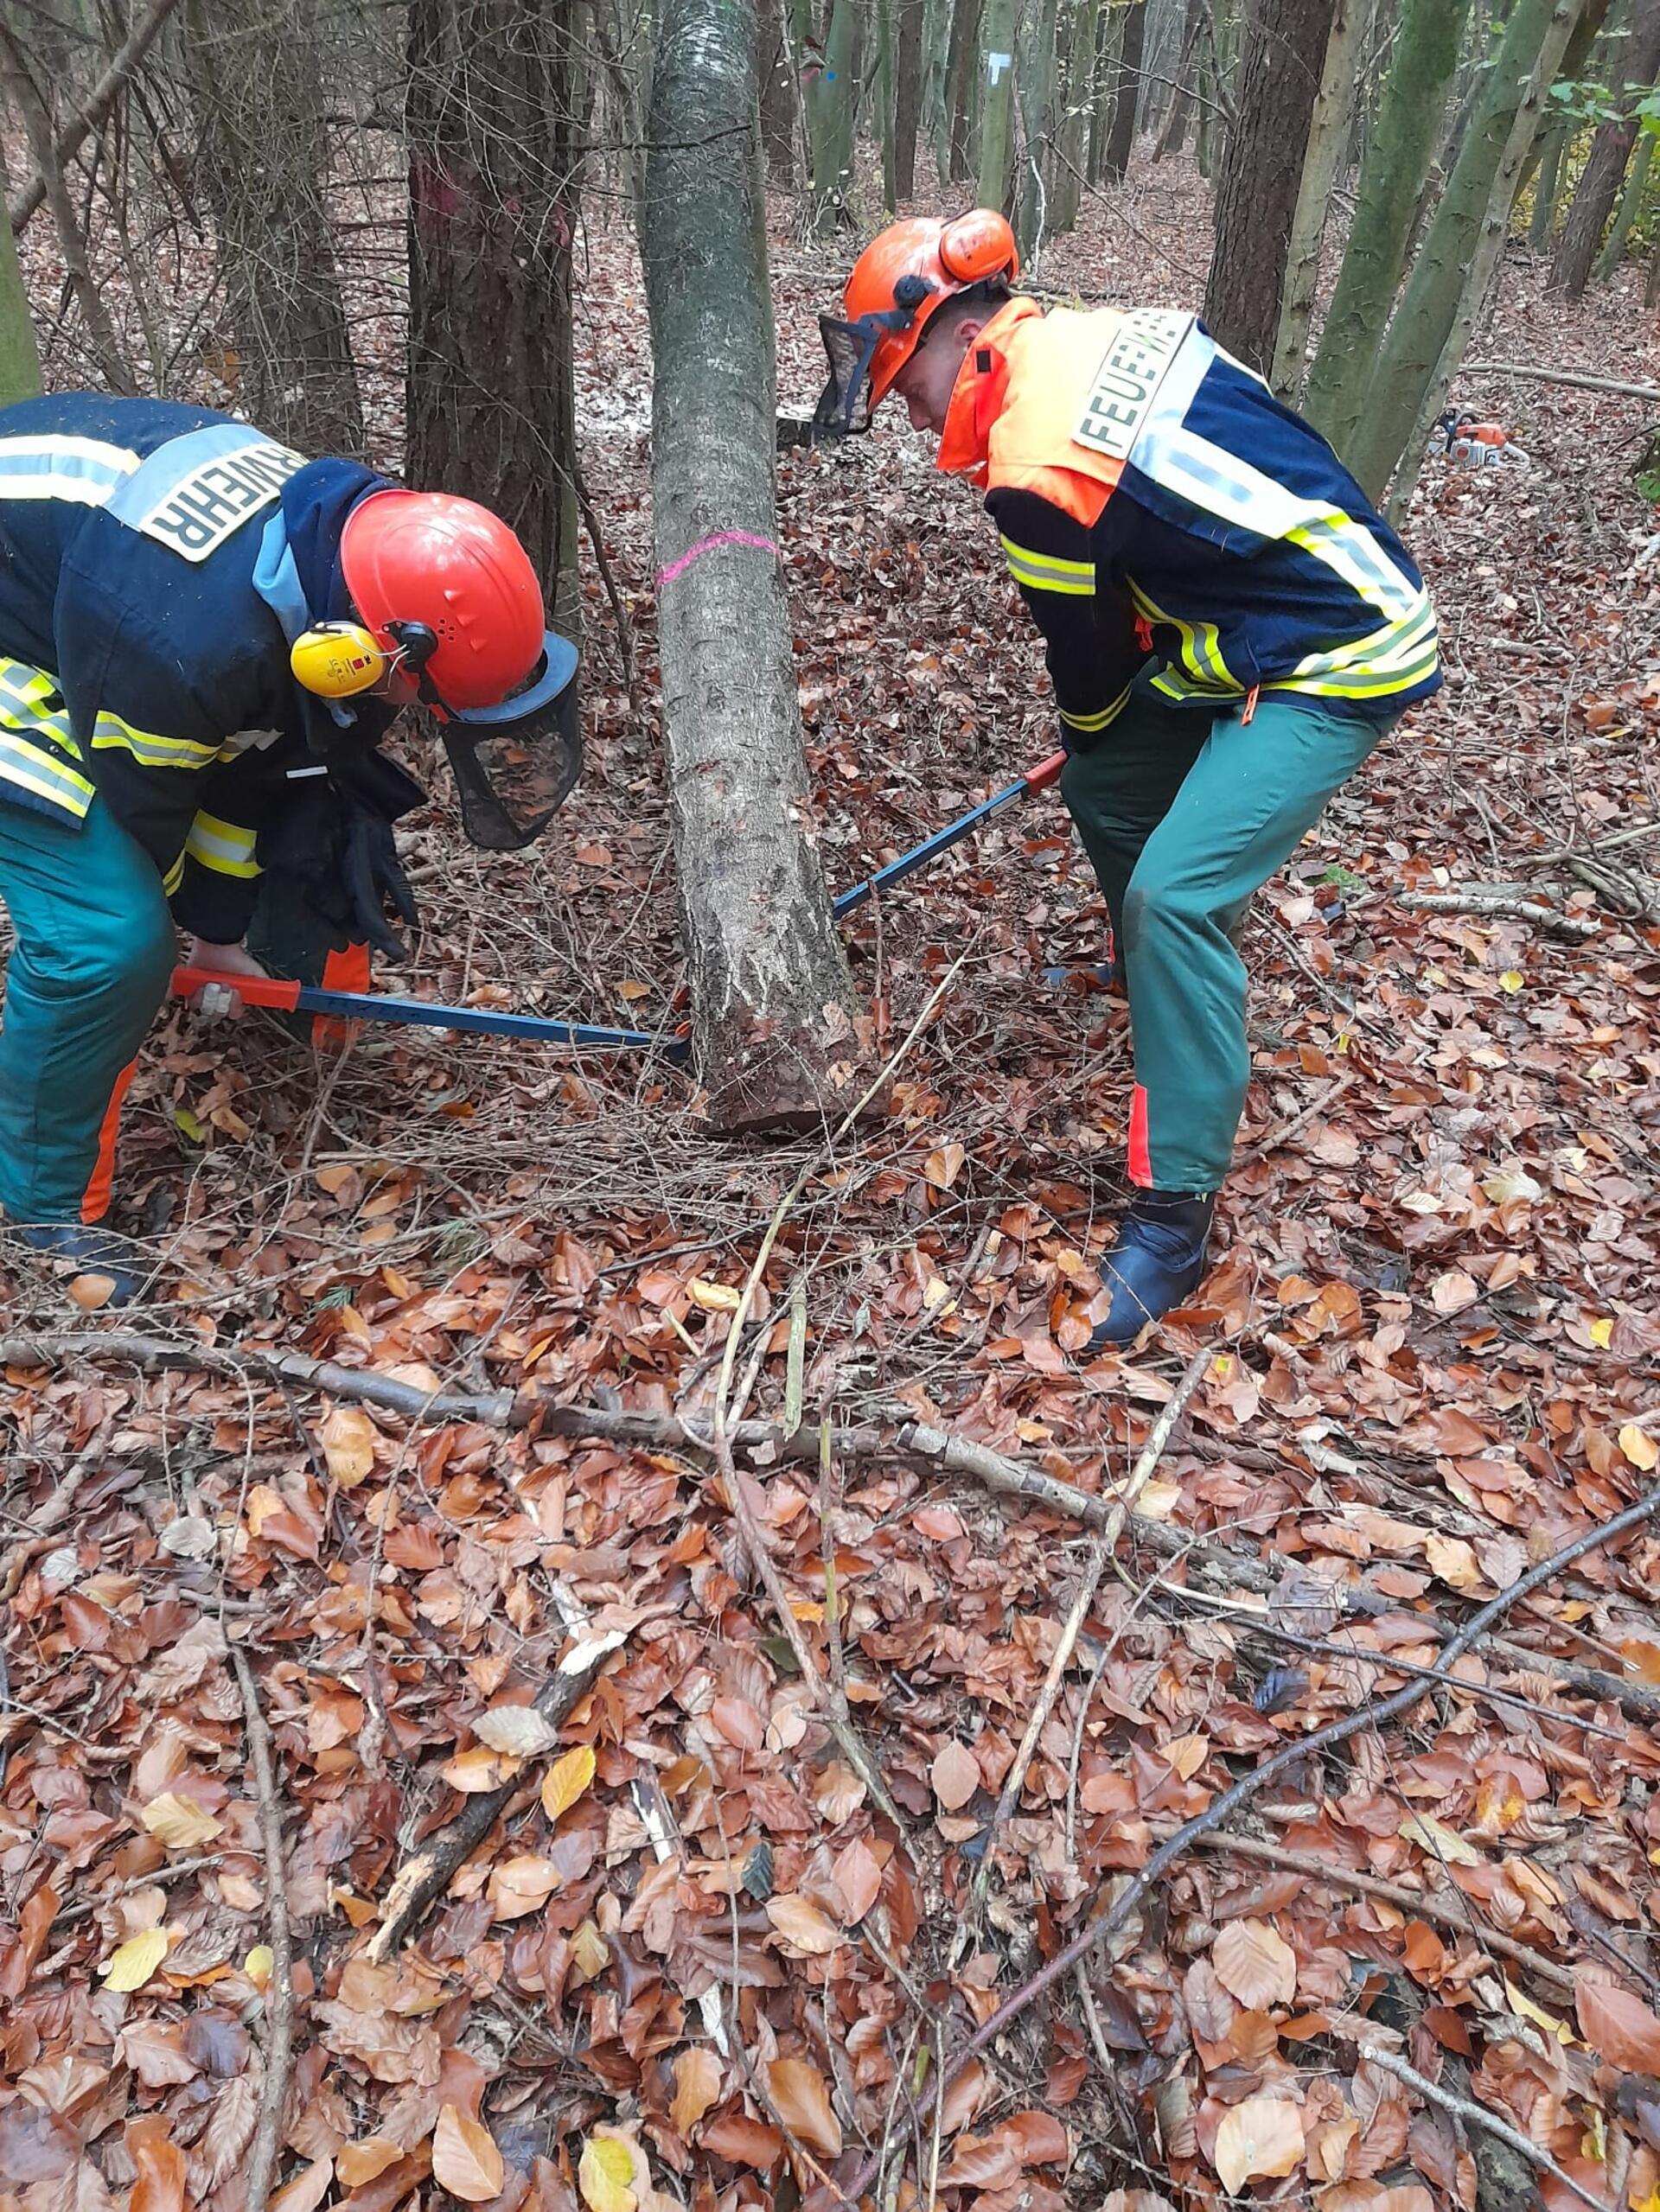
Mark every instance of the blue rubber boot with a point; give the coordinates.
(1157, 1261)
(90, 1251)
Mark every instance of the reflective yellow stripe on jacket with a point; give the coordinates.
(223, 847)
(37, 746)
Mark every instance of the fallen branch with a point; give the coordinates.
(1283, 1132)
(1503, 905)
(426, 1874)
(1111, 1529)
(1475, 2115)
(1391, 1893)
(279, 1990)
(1294, 1754)
(1574, 377)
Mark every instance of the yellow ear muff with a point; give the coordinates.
(337, 660)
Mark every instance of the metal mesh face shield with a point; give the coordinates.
(844, 409)
(515, 764)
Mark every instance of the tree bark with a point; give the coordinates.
(1611, 150)
(1532, 44)
(20, 357)
(1587, 31)
(830, 119)
(772, 999)
(965, 49)
(997, 29)
(1636, 180)
(492, 191)
(776, 70)
(1550, 177)
(1426, 56)
(1326, 136)
(907, 94)
(1036, 97)
(1174, 133)
(263, 160)
(1281, 68)
(1120, 141)
(1076, 98)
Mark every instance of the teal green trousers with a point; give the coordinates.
(95, 947)
(1184, 817)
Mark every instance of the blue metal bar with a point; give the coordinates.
(350, 1006)
(942, 840)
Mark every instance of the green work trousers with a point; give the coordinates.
(95, 947)
(1184, 816)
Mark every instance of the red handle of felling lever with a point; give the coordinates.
(252, 990)
(1046, 772)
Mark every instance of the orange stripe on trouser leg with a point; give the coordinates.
(95, 1199)
(1140, 1160)
(346, 971)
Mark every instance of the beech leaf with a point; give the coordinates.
(802, 1925)
(954, 1773)
(696, 2084)
(465, 2159)
(802, 2102)
(1264, 2135)
(1619, 2026)
(137, 1959)
(1255, 1963)
(519, 1730)
(179, 1822)
(566, 1778)
(604, 2175)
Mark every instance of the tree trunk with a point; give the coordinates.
(1071, 144)
(1172, 137)
(777, 69)
(772, 997)
(1109, 40)
(907, 95)
(830, 120)
(1631, 200)
(1121, 144)
(492, 130)
(1532, 46)
(1611, 150)
(1585, 33)
(965, 49)
(1326, 136)
(885, 106)
(1279, 81)
(263, 162)
(1651, 289)
(1550, 177)
(1425, 55)
(996, 25)
(20, 358)
(1037, 98)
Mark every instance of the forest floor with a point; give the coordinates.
(1433, 1312)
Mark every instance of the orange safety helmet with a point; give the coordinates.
(447, 590)
(898, 283)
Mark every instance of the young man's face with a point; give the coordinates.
(926, 382)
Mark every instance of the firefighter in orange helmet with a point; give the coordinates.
(1230, 627)
(204, 637)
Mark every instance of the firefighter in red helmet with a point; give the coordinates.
(204, 637)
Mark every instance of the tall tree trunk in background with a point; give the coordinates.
(1610, 149)
(907, 94)
(1071, 148)
(1556, 124)
(1326, 131)
(964, 56)
(885, 106)
(772, 997)
(1637, 181)
(493, 188)
(1175, 130)
(1425, 55)
(1278, 82)
(830, 113)
(997, 27)
(1103, 74)
(20, 358)
(1531, 48)
(1037, 88)
(1115, 161)
(776, 67)
(263, 160)
(1545, 191)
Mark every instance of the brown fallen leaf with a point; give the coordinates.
(465, 2159)
(802, 2102)
(802, 1926)
(1619, 2026)
(697, 2085)
(954, 1773)
(1254, 1962)
(1263, 2136)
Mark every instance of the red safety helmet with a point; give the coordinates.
(447, 590)
(898, 283)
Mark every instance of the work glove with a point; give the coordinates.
(336, 840)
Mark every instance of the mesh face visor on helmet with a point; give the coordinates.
(844, 408)
(514, 764)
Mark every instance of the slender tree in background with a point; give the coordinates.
(997, 29)
(1631, 199)
(907, 94)
(1035, 74)
(1071, 149)
(20, 358)
(1126, 92)
(1535, 39)
(1592, 15)
(491, 124)
(1282, 62)
(830, 108)
(1542, 221)
(1426, 56)
(772, 997)
(1611, 150)
(263, 163)
(963, 63)
(776, 70)
(1174, 133)
(1328, 128)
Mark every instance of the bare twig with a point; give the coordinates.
(1232, 1800)
(102, 98)
(176, 1872)
(425, 1875)
(1475, 2115)
(279, 1990)
(1112, 1529)
(1503, 905)
(1561, 376)
(1391, 1893)
(1283, 1132)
